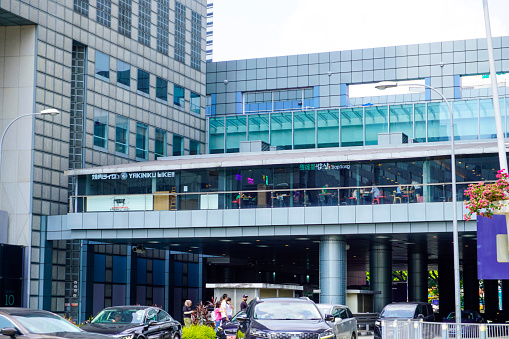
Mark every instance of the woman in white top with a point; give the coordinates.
(229, 308)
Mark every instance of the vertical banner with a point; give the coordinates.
(492, 256)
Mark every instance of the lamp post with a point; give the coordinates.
(50, 111)
(455, 236)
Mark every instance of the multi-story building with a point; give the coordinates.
(128, 78)
(307, 177)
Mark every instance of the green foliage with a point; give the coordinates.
(201, 314)
(198, 332)
(484, 199)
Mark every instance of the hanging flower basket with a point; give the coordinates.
(488, 199)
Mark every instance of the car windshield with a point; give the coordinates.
(45, 323)
(122, 316)
(324, 310)
(286, 311)
(464, 315)
(398, 311)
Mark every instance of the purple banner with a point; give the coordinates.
(492, 262)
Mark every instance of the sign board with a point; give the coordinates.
(107, 203)
(492, 256)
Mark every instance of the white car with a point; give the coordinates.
(344, 324)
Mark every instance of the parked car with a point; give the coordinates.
(344, 323)
(467, 317)
(135, 322)
(284, 318)
(35, 324)
(404, 311)
(229, 329)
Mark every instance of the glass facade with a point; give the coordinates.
(123, 73)
(178, 96)
(102, 65)
(283, 100)
(195, 40)
(125, 11)
(162, 89)
(163, 26)
(81, 7)
(356, 126)
(414, 180)
(160, 143)
(104, 12)
(180, 32)
(144, 22)
(194, 147)
(143, 84)
(141, 141)
(100, 128)
(195, 102)
(178, 145)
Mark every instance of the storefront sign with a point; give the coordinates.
(134, 175)
(106, 203)
(323, 167)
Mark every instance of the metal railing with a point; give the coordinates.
(269, 198)
(416, 329)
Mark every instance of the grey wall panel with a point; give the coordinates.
(234, 232)
(316, 229)
(383, 228)
(381, 214)
(330, 215)
(136, 219)
(367, 228)
(262, 217)
(227, 217)
(401, 227)
(298, 230)
(152, 219)
(364, 214)
(266, 231)
(279, 216)
(399, 213)
(120, 220)
(417, 212)
(202, 232)
(248, 217)
(282, 230)
(296, 215)
(184, 219)
(75, 220)
(199, 218)
(167, 218)
(313, 215)
(250, 231)
(155, 234)
(89, 220)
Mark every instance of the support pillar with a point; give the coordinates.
(333, 263)
(490, 298)
(445, 277)
(470, 281)
(417, 273)
(505, 294)
(380, 268)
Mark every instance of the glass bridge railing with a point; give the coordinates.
(271, 198)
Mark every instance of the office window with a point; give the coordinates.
(195, 40)
(102, 65)
(125, 8)
(104, 12)
(123, 73)
(195, 103)
(144, 21)
(163, 26)
(100, 128)
(160, 143)
(178, 145)
(180, 32)
(143, 81)
(81, 7)
(178, 95)
(161, 89)
(141, 141)
(194, 147)
(121, 135)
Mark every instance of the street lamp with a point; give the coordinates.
(456, 254)
(50, 111)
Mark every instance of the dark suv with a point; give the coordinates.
(284, 318)
(409, 310)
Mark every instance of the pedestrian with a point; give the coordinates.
(243, 304)
(224, 315)
(229, 309)
(217, 314)
(187, 313)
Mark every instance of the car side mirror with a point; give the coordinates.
(420, 316)
(9, 331)
(152, 322)
(242, 317)
(328, 317)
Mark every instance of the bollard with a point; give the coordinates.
(444, 331)
(383, 329)
(482, 332)
(395, 329)
(409, 329)
(416, 330)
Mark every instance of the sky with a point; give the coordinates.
(245, 29)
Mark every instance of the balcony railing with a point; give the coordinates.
(268, 198)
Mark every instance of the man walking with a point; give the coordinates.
(243, 304)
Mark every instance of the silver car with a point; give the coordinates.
(344, 324)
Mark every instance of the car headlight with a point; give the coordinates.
(126, 336)
(259, 333)
(327, 334)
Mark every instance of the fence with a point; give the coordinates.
(414, 329)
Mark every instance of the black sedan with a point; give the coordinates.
(135, 322)
(36, 324)
(230, 328)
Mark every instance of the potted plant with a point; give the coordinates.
(488, 199)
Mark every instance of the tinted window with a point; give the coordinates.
(163, 316)
(286, 311)
(123, 73)
(398, 311)
(102, 65)
(143, 81)
(343, 313)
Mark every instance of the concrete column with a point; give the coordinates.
(505, 294)
(333, 263)
(445, 277)
(490, 298)
(470, 281)
(380, 273)
(417, 273)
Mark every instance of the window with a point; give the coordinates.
(104, 12)
(102, 65)
(195, 103)
(194, 147)
(100, 128)
(125, 8)
(141, 141)
(144, 22)
(178, 96)
(163, 316)
(121, 135)
(163, 26)
(195, 40)
(123, 73)
(143, 81)
(180, 32)
(161, 89)
(178, 145)
(81, 7)
(160, 144)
